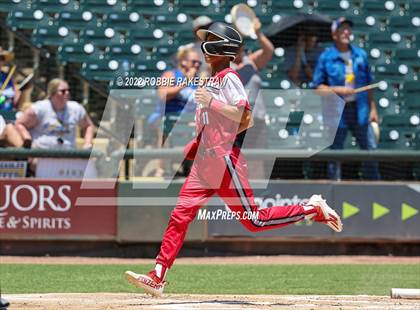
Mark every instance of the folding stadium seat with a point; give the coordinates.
(150, 68)
(288, 6)
(411, 87)
(149, 7)
(102, 6)
(149, 37)
(414, 7)
(27, 19)
(394, 73)
(125, 21)
(204, 7)
(100, 36)
(6, 5)
(333, 8)
(130, 52)
(178, 23)
(368, 23)
(77, 20)
(385, 40)
(380, 8)
(408, 56)
(184, 37)
(55, 6)
(100, 69)
(395, 139)
(404, 24)
(53, 36)
(77, 52)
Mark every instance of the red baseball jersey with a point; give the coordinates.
(220, 131)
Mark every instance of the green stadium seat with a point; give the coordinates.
(414, 7)
(196, 8)
(411, 87)
(380, 8)
(100, 69)
(27, 19)
(124, 21)
(395, 73)
(6, 6)
(55, 6)
(179, 128)
(396, 139)
(174, 23)
(77, 20)
(150, 68)
(53, 36)
(148, 7)
(149, 37)
(77, 52)
(404, 24)
(333, 8)
(130, 52)
(288, 6)
(412, 103)
(368, 24)
(102, 6)
(408, 56)
(385, 40)
(100, 36)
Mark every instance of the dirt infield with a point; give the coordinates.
(254, 260)
(228, 302)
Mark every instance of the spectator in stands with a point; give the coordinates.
(175, 97)
(248, 67)
(301, 59)
(9, 136)
(9, 93)
(201, 22)
(51, 123)
(342, 68)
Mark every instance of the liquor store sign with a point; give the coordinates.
(46, 207)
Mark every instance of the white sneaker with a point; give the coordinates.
(325, 214)
(150, 282)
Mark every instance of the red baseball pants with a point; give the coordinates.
(228, 177)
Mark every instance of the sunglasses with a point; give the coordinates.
(63, 91)
(196, 63)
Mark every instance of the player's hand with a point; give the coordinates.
(257, 26)
(203, 97)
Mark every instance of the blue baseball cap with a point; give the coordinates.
(338, 22)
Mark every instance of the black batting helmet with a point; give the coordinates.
(229, 44)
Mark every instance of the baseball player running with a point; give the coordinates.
(223, 111)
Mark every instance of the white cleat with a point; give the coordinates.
(325, 214)
(150, 283)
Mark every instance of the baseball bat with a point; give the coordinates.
(367, 87)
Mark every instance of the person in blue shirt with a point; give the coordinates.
(175, 97)
(9, 94)
(342, 68)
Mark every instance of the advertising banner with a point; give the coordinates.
(54, 209)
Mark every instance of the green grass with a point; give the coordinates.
(215, 279)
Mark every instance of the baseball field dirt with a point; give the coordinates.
(96, 301)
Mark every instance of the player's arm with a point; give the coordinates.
(206, 100)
